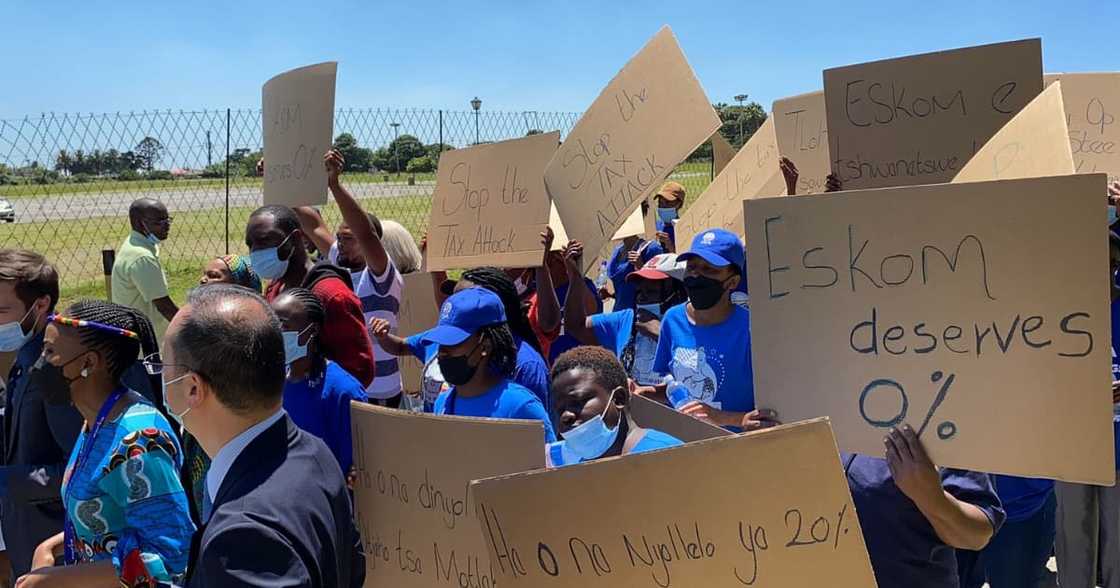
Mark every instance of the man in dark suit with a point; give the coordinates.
(38, 436)
(276, 510)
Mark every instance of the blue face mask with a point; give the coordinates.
(666, 215)
(591, 439)
(12, 337)
(654, 309)
(267, 262)
(293, 351)
(1111, 215)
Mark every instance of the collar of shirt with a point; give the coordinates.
(25, 358)
(221, 463)
(138, 240)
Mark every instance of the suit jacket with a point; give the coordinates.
(282, 517)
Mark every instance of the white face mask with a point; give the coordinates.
(166, 404)
(591, 439)
(654, 309)
(12, 337)
(293, 351)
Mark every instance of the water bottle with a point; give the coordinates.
(676, 392)
(602, 278)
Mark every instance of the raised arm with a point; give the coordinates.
(315, 228)
(548, 306)
(391, 343)
(376, 257)
(576, 321)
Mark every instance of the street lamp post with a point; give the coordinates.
(740, 99)
(396, 147)
(476, 104)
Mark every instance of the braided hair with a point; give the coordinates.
(120, 353)
(503, 349)
(496, 281)
(316, 315)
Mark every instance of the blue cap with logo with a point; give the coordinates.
(718, 247)
(463, 314)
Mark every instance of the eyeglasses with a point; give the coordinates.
(155, 367)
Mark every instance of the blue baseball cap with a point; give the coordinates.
(463, 314)
(718, 247)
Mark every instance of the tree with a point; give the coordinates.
(421, 165)
(748, 117)
(435, 149)
(358, 159)
(534, 132)
(400, 151)
(150, 151)
(63, 162)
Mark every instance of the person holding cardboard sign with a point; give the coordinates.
(592, 393)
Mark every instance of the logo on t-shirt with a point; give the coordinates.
(692, 368)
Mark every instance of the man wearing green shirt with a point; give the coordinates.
(138, 278)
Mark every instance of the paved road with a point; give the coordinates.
(91, 205)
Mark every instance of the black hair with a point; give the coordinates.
(231, 338)
(120, 352)
(496, 281)
(284, 217)
(34, 277)
(503, 350)
(316, 315)
(608, 371)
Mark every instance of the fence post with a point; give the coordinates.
(108, 258)
(227, 181)
(439, 151)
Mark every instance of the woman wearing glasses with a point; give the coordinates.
(127, 521)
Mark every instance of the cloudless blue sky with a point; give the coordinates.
(516, 55)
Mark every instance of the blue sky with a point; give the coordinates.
(516, 55)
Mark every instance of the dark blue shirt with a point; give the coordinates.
(905, 550)
(619, 267)
(531, 371)
(322, 408)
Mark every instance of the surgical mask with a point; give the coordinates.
(591, 439)
(293, 351)
(667, 215)
(167, 405)
(654, 309)
(52, 382)
(704, 292)
(151, 237)
(12, 337)
(521, 286)
(457, 369)
(1111, 215)
(267, 262)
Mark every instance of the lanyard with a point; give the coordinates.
(69, 533)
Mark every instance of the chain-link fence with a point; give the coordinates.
(70, 178)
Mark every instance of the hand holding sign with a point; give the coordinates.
(298, 120)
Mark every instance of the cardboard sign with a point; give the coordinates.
(298, 122)
(752, 173)
(490, 204)
(559, 235)
(1092, 102)
(722, 153)
(650, 414)
(419, 312)
(918, 119)
(649, 118)
(802, 134)
(635, 225)
(412, 498)
(977, 313)
(695, 515)
(1035, 143)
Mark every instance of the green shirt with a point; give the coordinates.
(138, 279)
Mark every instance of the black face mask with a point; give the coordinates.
(704, 292)
(457, 369)
(51, 382)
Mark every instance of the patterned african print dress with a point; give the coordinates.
(126, 502)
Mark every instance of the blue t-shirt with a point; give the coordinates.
(531, 371)
(653, 440)
(1022, 497)
(619, 267)
(713, 361)
(323, 409)
(507, 400)
(904, 548)
(1116, 376)
(614, 330)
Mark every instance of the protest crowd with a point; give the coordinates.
(210, 441)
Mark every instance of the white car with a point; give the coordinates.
(7, 213)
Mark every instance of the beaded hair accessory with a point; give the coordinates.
(70, 322)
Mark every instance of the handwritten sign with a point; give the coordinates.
(298, 121)
(650, 117)
(1092, 102)
(1035, 143)
(802, 134)
(752, 173)
(490, 204)
(559, 235)
(722, 153)
(710, 521)
(418, 312)
(651, 414)
(413, 498)
(978, 313)
(918, 119)
(634, 225)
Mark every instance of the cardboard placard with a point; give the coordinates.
(559, 235)
(918, 119)
(418, 312)
(722, 153)
(412, 499)
(635, 225)
(297, 109)
(978, 313)
(695, 515)
(650, 414)
(490, 204)
(1035, 143)
(1092, 102)
(649, 118)
(802, 135)
(752, 173)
